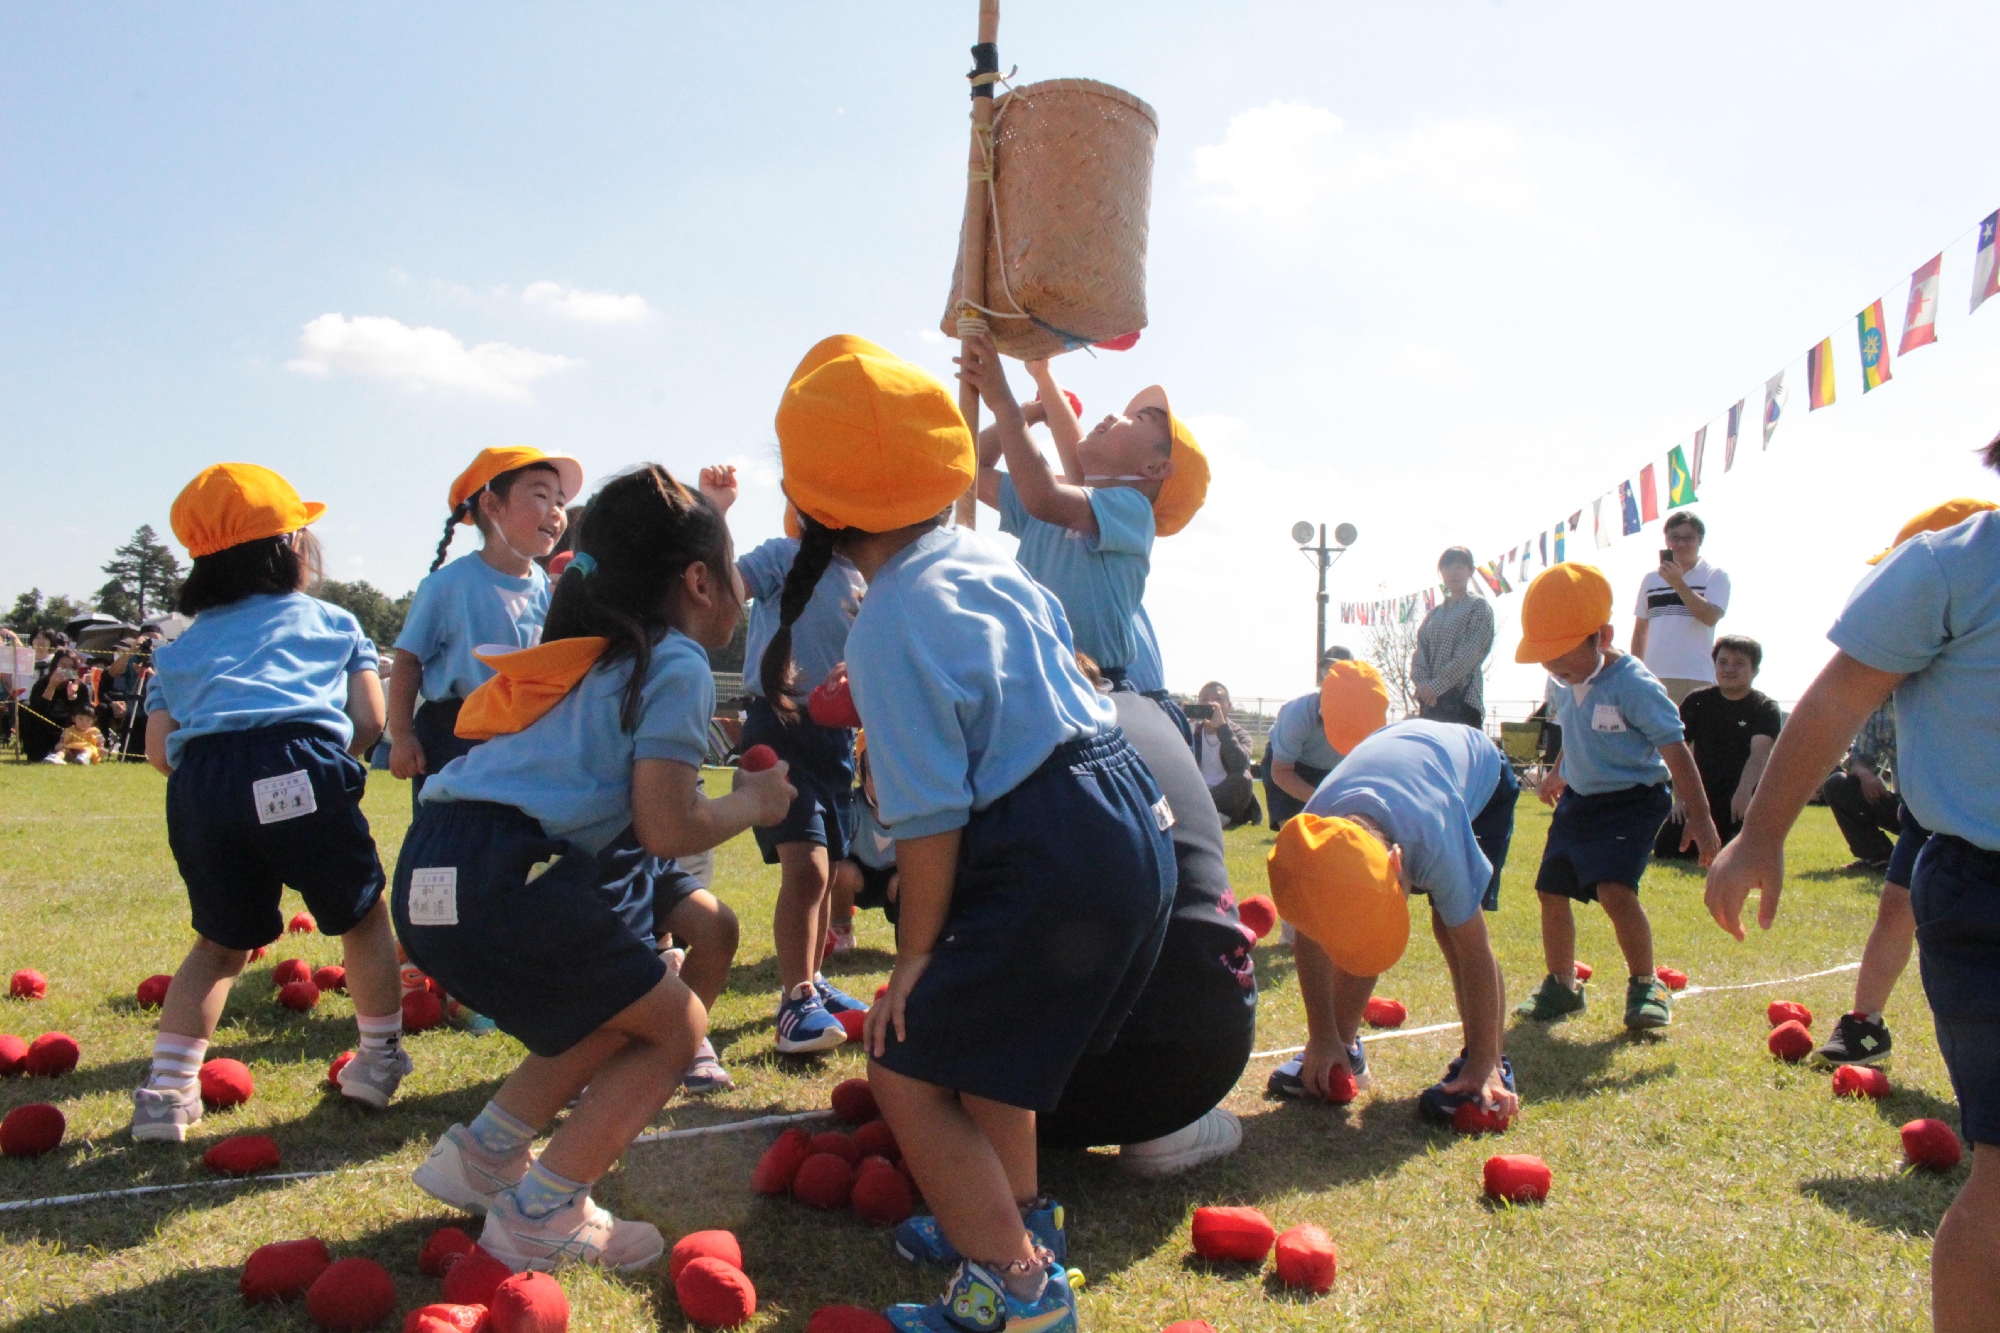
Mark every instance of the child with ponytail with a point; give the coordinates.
(804, 598)
(994, 762)
(495, 595)
(256, 714)
(537, 876)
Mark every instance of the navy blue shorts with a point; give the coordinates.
(1065, 886)
(434, 727)
(249, 812)
(1910, 840)
(550, 958)
(874, 891)
(1601, 839)
(1955, 894)
(1493, 830)
(822, 772)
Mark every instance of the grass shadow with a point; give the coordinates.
(1550, 1069)
(1905, 1104)
(1872, 874)
(1910, 1204)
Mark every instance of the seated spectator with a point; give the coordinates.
(1222, 751)
(1731, 728)
(1298, 758)
(81, 742)
(1861, 793)
(1448, 669)
(59, 693)
(121, 694)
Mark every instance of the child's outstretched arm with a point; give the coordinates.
(1043, 496)
(1482, 1018)
(673, 818)
(1693, 797)
(1064, 428)
(1334, 1002)
(928, 869)
(718, 483)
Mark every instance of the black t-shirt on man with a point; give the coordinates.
(1720, 729)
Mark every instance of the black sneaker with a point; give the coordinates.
(1856, 1040)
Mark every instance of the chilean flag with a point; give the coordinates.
(1986, 274)
(1920, 320)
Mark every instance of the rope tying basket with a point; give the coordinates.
(1072, 169)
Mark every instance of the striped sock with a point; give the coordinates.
(176, 1061)
(542, 1191)
(499, 1133)
(380, 1034)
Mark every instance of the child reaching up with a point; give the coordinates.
(1622, 740)
(537, 872)
(994, 760)
(256, 714)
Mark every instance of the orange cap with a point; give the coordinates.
(1565, 605)
(1353, 704)
(870, 441)
(1936, 519)
(1186, 488)
(228, 504)
(1331, 879)
(506, 458)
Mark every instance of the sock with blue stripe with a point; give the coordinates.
(499, 1133)
(542, 1191)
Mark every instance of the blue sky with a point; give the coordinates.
(1446, 272)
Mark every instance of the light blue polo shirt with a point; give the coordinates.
(1931, 613)
(819, 635)
(1100, 580)
(1423, 783)
(465, 605)
(1613, 726)
(261, 661)
(1146, 672)
(572, 769)
(1298, 736)
(966, 679)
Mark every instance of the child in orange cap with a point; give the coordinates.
(1622, 740)
(256, 714)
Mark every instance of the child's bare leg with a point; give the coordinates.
(822, 923)
(369, 952)
(1965, 1257)
(846, 884)
(661, 1030)
(1635, 931)
(1887, 953)
(1011, 1131)
(200, 989)
(799, 925)
(1559, 937)
(710, 930)
(542, 1085)
(957, 1167)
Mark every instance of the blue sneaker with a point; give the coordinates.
(834, 999)
(1288, 1080)
(978, 1302)
(1437, 1105)
(804, 1025)
(920, 1240)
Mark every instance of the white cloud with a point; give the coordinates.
(420, 358)
(1286, 161)
(586, 307)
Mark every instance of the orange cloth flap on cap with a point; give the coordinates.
(1331, 879)
(228, 504)
(530, 682)
(505, 458)
(1353, 704)
(1936, 519)
(1185, 490)
(1565, 605)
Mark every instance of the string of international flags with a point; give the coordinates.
(1637, 501)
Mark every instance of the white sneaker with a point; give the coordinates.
(580, 1232)
(840, 939)
(464, 1175)
(372, 1077)
(164, 1115)
(1217, 1134)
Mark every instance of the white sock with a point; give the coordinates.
(380, 1034)
(176, 1061)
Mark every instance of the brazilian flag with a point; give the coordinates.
(1680, 483)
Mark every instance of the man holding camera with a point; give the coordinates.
(1222, 752)
(1679, 606)
(121, 706)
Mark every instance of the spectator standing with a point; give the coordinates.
(1679, 606)
(1298, 757)
(1861, 791)
(1449, 667)
(1222, 752)
(1731, 727)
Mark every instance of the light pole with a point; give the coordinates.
(1322, 557)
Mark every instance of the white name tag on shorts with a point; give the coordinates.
(434, 896)
(286, 796)
(1163, 814)
(1606, 717)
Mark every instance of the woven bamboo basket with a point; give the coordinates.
(1066, 244)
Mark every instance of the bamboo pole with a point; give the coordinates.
(978, 203)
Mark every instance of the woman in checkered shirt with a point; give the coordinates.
(1452, 644)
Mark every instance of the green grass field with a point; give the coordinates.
(1699, 1183)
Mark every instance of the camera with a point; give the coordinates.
(1199, 712)
(1666, 555)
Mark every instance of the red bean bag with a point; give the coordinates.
(292, 969)
(881, 990)
(1242, 1234)
(1307, 1259)
(299, 996)
(1672, 977)
(1472, 1118)
(351, 1294)
(882, 1197)
(1381, 1013)
(529, 1303)
(30, 1131)
(1860, 1081)
(848, 1319)
(854, 1022)
(832, 705)
(421, 1011)
(446, 1319)
(825, 1180)
(13, 1055)
(837, 1143)
(441, 1248)
(300, 924)
(1931, 1144)
(226, 1083)
(719, 1245)
(473, 1278)
(1190, 1326)
(242, 1155)
(1788, 1011)
(283, 1270)
(757, 758)
(28, 984)
(1340, 1085)
(876, 1139)
(1125, 342)
(1258, 913)
(152, 992)
(854, 1101)
(1583, 971)
(339, 1063)
(330, 977)
(1519, 1178)
(1790, 1041)
(715, 1295)
(52, 1055)
(780, 1163)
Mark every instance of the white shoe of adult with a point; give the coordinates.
(463, 1175)
(578, 1232)
(1217, 1134)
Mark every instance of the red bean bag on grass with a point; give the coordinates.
(848, 1319)
(30, 1131)
(1860, 1081)
(300, 924)
(853, 1022)
(13, 1056)
(529, 1303)
(446, 1319)
(1472, 1118)
(1244, 1235)
(52, 1055)
(1307, 1259)
(441, 1248)
(283, 1270)
(876, 1139)
(339, 1063)
(1790, 1041)
(715, 1295)
(1518, 1178)
(780, 1163)
(422, 1011)
(1381, 1013)
(824, 1181)
(719, 1245)
(1258, 913)
(299, 996)
(152, 992)
(292, 969)
(330, 977)
(881, 1196)
(242, 1155)
(226, 1083)
(1583, 972)
(474, 1278)
(1671, 977)
(352, 1294)
(854, 1101)
(1931, 1144)
(1781, 1012)
(27, 984)
(837, 1143)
